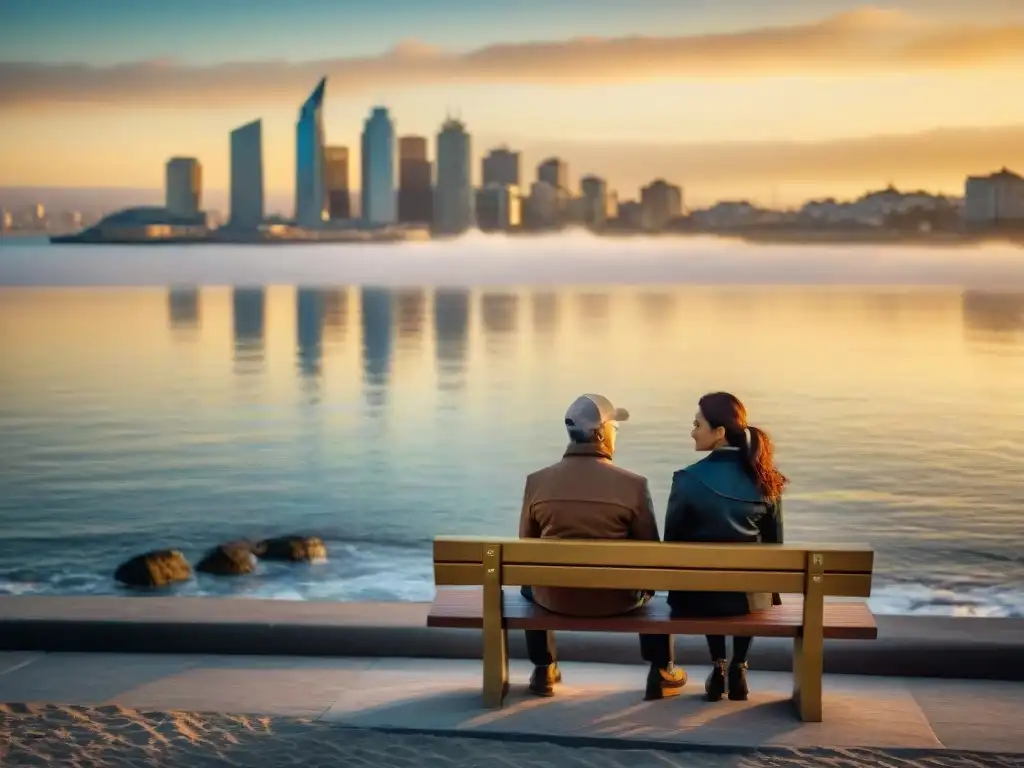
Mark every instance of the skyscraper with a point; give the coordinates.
(310, 171)
(453, 194)
(543, 206)
(184, 186)
(594, 191)
(339, 201)
(498, 207)
(378, 177)
(660, 202)
(555, 172)
(247, 176)
(415, 193)
(500, 166)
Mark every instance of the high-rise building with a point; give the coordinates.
(543, 207)
(247, 176)
(498, 207)
(595, 200)
(611, 209)
(500, 166)
(339, 201)
(310, 170)
(630, 214)
(378, 177)
(555, 172)
(997, 199)
(415, 190)
(660, 202)
(453, 193)
(183, 186)
(575, 210)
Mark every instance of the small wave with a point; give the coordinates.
(925, 600)
(356, 575)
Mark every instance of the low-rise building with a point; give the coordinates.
(874, 209)
(146, 223)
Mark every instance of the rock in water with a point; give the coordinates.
(295, 549)
(154, 569)
(235, 558)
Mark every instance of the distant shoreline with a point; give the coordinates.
(781, 236)
(805, 236)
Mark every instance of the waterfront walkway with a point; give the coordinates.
(194, 710)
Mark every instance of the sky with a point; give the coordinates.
(774, 101)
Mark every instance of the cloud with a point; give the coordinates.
(865, 40)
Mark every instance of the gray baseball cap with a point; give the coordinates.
(591, 412)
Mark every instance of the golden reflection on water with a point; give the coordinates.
(898, 413)
(773, 343)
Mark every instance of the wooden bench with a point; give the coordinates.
(813, 572)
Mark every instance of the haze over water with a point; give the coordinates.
(375, 410)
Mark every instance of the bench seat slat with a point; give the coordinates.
(463, 609)
(662, 579)
(849, 558)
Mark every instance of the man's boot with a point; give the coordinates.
(663, 682)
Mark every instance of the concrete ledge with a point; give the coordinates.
(907, 646)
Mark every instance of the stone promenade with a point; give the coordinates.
(144, 710)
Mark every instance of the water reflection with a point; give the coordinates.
(906, 402)
(999, 313)
(335, 302)
(412, 312)
(183, 308)
(499, 314)
(451, 326)
(545, 314)
(309, 323)
(594, 312)
(248, 313)
(376, 325)
(658, 309)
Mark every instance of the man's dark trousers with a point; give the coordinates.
(540, 644)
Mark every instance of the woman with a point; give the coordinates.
(734, 495)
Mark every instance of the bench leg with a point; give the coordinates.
(495, 668)
(807, 673)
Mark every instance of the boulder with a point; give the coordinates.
(154, 569)
(294, 549)
(235, 558)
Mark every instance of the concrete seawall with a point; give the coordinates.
(908, 646)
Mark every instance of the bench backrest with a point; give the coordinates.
(785, 568)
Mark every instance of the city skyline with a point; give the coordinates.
(626, 101)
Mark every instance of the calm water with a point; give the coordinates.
(135, 417)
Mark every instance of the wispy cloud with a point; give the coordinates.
(866, 40)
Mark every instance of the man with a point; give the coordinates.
(585, 496)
